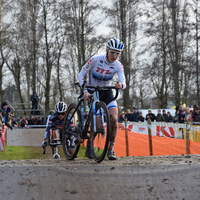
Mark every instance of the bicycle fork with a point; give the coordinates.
(98, 112)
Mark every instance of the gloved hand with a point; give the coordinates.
(44, 144)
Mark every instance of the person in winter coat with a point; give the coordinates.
(159, 117)
(34, 99)
(164, 115)
(169, 117)
(122, 117)
(150, 115)
(140, 118)
(6, 113)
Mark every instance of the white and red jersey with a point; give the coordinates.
(101, 72)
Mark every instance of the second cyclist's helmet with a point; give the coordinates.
(61, 107)
(115, 44)
(51, 112)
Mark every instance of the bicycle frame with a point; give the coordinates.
(95, 95)
(84, 125)
(96, 99)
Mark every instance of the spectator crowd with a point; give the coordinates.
(9, 120)
(22, 122)
(182, 115)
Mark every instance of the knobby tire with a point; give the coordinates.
(74, 127)
(99, 143)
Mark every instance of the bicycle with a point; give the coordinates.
(53, 142)
(96, 127)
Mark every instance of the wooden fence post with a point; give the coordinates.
(126, 138)
(150, 137)
(187, 138)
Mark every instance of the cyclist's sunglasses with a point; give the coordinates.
(114, 52)
(61, 114)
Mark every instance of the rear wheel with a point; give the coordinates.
(100, 138)
(70, 146)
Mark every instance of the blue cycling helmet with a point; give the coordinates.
(115, 44)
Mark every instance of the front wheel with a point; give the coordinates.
(100, 138)
(70, 147)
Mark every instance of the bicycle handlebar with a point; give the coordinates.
(97, 88)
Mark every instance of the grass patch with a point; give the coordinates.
(24, 153)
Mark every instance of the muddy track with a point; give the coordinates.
(161, 177)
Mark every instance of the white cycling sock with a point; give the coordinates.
(111, 146)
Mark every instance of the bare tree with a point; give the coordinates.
(81, 25)
(5, 7)
(33, 42)
(123, 15)
(180, 44)
(49, 41)
(16, 68)
(158, 71)
(169, 30)
(47, 56)
(83, 28)
(197, 37)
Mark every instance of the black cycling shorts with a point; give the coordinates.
(104, 95)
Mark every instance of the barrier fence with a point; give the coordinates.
(141, 139)
(156, 139)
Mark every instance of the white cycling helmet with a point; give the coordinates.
(115, 44)
(61, 107)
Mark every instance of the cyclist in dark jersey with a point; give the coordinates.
(55, 122)
(101, 70)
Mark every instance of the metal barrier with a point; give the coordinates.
(17, 109)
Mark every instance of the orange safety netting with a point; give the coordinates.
(194, 147)
(138, 145)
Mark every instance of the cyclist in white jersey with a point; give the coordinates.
(101, 70)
